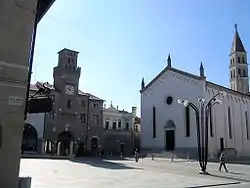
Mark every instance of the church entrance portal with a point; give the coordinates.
(170, 140)
(170, 136)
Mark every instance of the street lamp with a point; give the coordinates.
(187, 103)
(202, 132)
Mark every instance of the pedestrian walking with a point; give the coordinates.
(223, 162)
(136, 156)
(153, 157)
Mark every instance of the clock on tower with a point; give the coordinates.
(69, 90)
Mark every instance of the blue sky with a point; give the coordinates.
(121, 41)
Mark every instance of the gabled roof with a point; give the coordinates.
(208, 83)
(111, 108)
(170, 69)
(237, 45)
(35, 88)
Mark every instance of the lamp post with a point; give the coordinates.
(202, 127)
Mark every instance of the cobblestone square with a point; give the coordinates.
(91, 173)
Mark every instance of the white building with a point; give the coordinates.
(115, 119)
(167, 125)
(119, 135)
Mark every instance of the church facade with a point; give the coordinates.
(168, 125)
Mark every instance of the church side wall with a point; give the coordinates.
(237, 106)
(179, 87)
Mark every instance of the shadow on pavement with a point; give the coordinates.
(214, 185)
(240, 162)
(230, 177)
(104, 164)
(236, 173)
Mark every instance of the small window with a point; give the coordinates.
(238, 59)
(68, 59)
(169, 100)
(229, 123)
(187, 113)
(119, 124)
(51, 114)
(95, 105)
(69, 104)
(231, 74)
(136, 128)
(247, 126)
(107, 125)
(243, 60)
(244, 73)
(83, 118)
(239, 72)
(231, 61)
(114, 125)
(96, 119)
(83, 103)
(127, 126)
(72, 60)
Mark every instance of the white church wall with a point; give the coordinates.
(246, 145)
(179, 87)
(221, 125)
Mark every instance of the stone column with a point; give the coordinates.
(42, 146)
(46, 146)
(58, 148)
(16, 22)
(71, 147)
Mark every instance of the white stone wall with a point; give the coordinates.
(114, 116)
(179, 87)
(238, 108)
(37, 121)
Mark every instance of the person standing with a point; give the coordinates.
(223, 162)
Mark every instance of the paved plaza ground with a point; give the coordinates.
(93, 173)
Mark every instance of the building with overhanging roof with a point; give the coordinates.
(74, 126)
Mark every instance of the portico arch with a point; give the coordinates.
(30, 138)
(63, 143)
(170, 135)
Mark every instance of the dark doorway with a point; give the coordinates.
(122, 148)
(94, 144)
(170, 140)
(80, 150)
(30, 137)
(63, 140)
(221, 144)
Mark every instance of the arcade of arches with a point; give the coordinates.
(66, 146)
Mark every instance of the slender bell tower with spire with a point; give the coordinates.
(239, 79)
